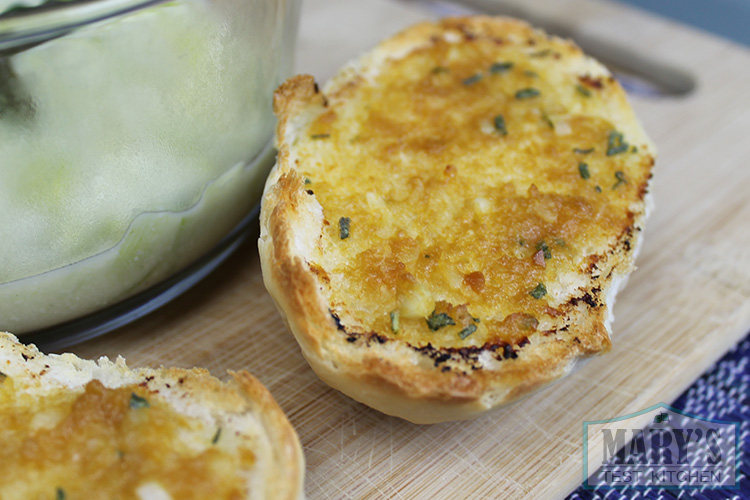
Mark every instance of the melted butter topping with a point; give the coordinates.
(472, 175)
(109, 443)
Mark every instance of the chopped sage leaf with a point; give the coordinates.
(583, 169)
(548, 120)
(344, 226)
(500, 125)
(60, 494)
(472, 79)
(500, 67)
(598, 189)
(527, 93)
(620, 176)
(521, 242)
(545, 250)
(634, 149)
(541, 53)
(307, 181)
(583, 151)
(539, 292)
(216, 437)
(395, 321)
(476, 320)
(137, 402)
(320, 136)
(583, 90)
(438, 321)
(616, 143)
(467, 331)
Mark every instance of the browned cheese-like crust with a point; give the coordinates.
(450, 218)
(77, 427)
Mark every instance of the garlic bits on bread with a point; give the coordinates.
(73, 428)
(451, 216)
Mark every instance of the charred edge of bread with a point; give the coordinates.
(423, 384)
(191, 393)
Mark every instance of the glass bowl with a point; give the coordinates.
(135, 138)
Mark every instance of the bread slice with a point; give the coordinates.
(73, 428)
(449, 220)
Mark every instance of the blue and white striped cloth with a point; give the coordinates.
(722, 393)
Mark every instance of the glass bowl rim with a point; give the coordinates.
(22, 28)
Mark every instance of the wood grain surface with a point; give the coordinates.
(687, 304)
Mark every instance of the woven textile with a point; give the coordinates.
(722, 393)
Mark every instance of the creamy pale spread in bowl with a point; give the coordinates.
(129, 145)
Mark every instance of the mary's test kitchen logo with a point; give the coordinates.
(674, 450)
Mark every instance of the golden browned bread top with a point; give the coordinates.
(82, 429)
(477, 181)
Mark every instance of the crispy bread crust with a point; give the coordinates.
(423, 383)
(242, 407)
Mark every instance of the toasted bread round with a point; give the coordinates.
(76, 428)
(449, 220)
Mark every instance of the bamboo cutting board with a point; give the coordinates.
(687, 304)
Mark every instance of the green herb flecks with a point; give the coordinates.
(527, 93)
(137, 402)
(217, 436)
(467, 331)
(583, 169)
(616, 144)
(307, 181)
(634, 149)
(438, 321)
(472, 79)
(439, 69)
(583, 151)
(539, 291)
(548, 120)
(345, 224)
(545, 250)
(60, 494)
(583, 90)
(598, 189)
(499, 123)
(522, 242)
(320, 136)
(500, 67)
(395, 321)
(541, 53)
(620, 176)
